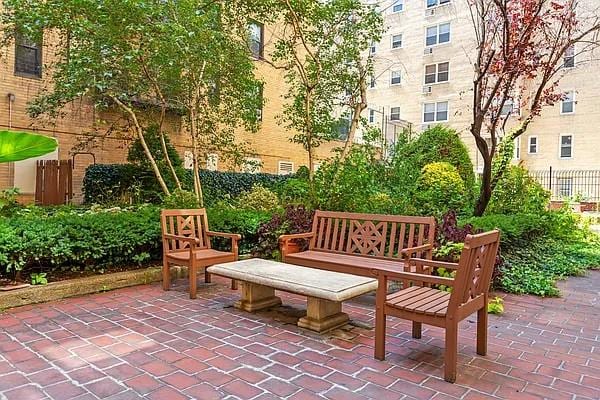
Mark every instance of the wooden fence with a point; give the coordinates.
(54, 182)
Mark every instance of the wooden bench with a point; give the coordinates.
(187, 242)
(358, 243)
(421, 303)
(325, 290)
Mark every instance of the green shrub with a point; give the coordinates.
(224, 218)
(111, 183)
(136, 154)
(180, 199)
(258, 199)
(294, 191)
(517, 192)
(437, 144)
(439, 189)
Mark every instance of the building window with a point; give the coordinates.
(517, 151)
(433, 3)
(436, 73)
(509, 108)
(397, 41)
(435, 112)
(212, 162)
(373, 48)
(371, 116)
(252, 165)
(398, 6)
(395, 114)
(28, 57)
(532, 147)
(395, 78)
(569, 57)
(285, 168)
(438, 34)
(256, 39)
(566, 146)
(565, 187)
(372, 81)
(567, 105)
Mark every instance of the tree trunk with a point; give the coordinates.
(195, 169)
(140, 133)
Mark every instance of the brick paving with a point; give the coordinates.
(142, 342)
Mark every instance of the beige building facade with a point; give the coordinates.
(85, 135)
(423, 76)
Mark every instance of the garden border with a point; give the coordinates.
(86, 285)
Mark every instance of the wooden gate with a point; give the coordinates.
(54, 182)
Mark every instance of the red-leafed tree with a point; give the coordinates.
(522, 49)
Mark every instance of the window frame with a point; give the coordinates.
(21, 41)
(517, 146)
(572, 57)
(392, 72)
(261, 49)
(573, 101)
(435, 112)
(438, 3)
(537, 145)
(437, 34)
(257, 169)
(372, 82)
(436, 74)
(395, 3)
(392, 113)
(560, 146)
(371, 116)
(392, 41)
(212, 158)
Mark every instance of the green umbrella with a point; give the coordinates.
(17, 146)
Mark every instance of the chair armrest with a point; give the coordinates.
(286, 238)
(432, 263)
(385, 275)
(232, 236)
(406, 253)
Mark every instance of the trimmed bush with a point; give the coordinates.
(258, 199)
(440, 188)
(517, 192)
(223, 218)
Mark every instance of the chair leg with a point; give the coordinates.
(193, 280)
(207, 278)
(482, 324)
(416, 330)
(166, 276)
(380, 325)
(450, 353)
(234, 284)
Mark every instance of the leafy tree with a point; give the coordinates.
(322, 50)
(522, 49)
(184, 58)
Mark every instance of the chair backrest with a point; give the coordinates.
(376, 235)
(475, 268)
(188, 223)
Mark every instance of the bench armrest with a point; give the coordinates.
(235, 237)
(385, 275)
(409, 251)
(431, 263)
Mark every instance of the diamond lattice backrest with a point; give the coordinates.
(370, 234)
(476, 266)
(187, 223)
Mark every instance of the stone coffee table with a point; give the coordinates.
(325, 290)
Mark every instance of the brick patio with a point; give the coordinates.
(142, 342)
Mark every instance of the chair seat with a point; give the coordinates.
(202, 256)
(348, 263)
(421, 300)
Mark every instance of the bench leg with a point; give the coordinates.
(166, 275)
(416, 330)
(323, 315)
(257, 297)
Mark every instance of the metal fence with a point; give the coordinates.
(563, 184)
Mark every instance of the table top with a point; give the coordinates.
(312, 282)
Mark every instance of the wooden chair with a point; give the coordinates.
(423, 304)
(187, 242)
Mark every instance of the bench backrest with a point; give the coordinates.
(189, 223)
(377, 235)
(475, 269)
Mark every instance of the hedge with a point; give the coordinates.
(124, 183)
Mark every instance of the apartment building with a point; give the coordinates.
(87, 136)
(423, 76)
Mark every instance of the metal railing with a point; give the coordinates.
(583, 185)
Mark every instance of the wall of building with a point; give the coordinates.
(411, 60)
